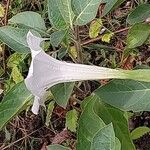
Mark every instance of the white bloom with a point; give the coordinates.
(46, 71)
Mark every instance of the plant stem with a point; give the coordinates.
(100, 37)
(78, 45)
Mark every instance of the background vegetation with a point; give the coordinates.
(118, 37)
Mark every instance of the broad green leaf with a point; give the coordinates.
(139, 14)
(57, 147)
(13, 102)
(15, 38)
(89, 123)
(111, 5)
(139, 132)
(110, 114)
(9, 84)
(85, 10)
(15, 59)
(117, 144)
(95, 28)
(104, 139)
(126, 95)
(137, 35)
(57, 37)
(71, 120)
(30, 19)
(107, 37)
(60, 13)
(62, 52)
(62, 93)
(16, 75)
(2, 11)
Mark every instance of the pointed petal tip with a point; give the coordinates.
(36, 105)
(29, 34)
(34, 43)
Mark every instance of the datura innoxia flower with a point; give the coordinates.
(45, 72)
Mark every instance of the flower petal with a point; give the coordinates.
(45, 71)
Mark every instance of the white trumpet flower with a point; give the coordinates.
(45, 72)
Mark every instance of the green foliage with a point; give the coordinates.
(137, 35)
(139, 14)
(49, 112)
(2, 11)
(29, 19)
(113, 115)
(15, 38)
(73, 52)
(57, 37)
(103, 121)
(16, 75)
(139, 132)
(126, 95)
(104, 139)
(15, 60)
(94, 117)
(71, 120)
(89, 123)
(117, 144)
(57, 147)
(111, 5)
(60, 13)
(85, 10)
(14, 102)
(107, 37)
(62, 92)
(95, 28)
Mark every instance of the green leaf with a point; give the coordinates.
(49, 112)
(30, 19)
(137, 35)
(62, 93)
(117, 144)
(107, 37)
(110, 114)
(139, 14)
(62, 52)
(57, 147)
(73, 52)
(89, 123)
(104, 139)
(71, 120)
(111, 5)
(85, 10)
(57, 37)
(60, 13)
(126, 95)
(2, 11)
(15, 59)
(95, 28)
(139, 132)
(15, 38)
(16, 75)
(14, 102)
